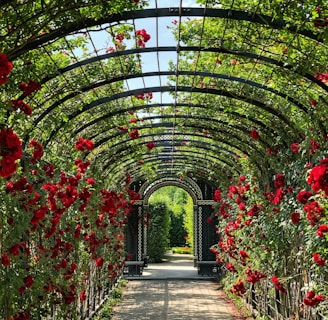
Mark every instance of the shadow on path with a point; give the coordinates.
(173, 291)
(173, 266)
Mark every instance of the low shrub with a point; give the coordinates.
(181, 250)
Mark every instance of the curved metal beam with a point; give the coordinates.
(182, 154)
(138, 174)
(199, 119)
(128, 166)
(223, 50)
(171, 73)
(218, 92)
(197, 144)
(176, 105)
(238, 15)
(167, 142)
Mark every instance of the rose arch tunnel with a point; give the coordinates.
(204, 95)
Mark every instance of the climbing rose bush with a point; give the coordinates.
(5, 68)
(61, 233)
(277, 234)
(54, 234)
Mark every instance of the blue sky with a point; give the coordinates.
(150, 60)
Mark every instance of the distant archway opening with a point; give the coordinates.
(171, 223)
(203, 220)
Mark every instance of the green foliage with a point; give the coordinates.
(180, 206)
(158, 231)
(106, 311)
(178, 233)
(276, 245)
(189, 221)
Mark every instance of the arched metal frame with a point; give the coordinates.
(201, 193)
(148, 188)
(102, 138)
(161, 12)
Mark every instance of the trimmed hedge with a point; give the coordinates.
(158, 231)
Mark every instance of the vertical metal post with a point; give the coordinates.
(140, 233)
(145, 230)
(200, 233)
(195, 233)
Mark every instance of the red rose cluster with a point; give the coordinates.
(318, 259)
(278, 285)
(254, 135)
(238, 288)
(311, 299)
(5, 68)
(10, 151)
(38, 151)
(29, 88)
(142, 37)
(22, 106)
(134, 134)
(84, 145)
(318, 178)
(144, 96)
(254, 276)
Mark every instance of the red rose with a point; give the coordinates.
(209, 220)
(49, 170)
(41, 212)
(279, 182)
(254, 135)
(5, 260)
(303, 196)
(143, 34)
(83, 295)
(5, 68)
(8, 166)
(314, 212)
(21, 105)
(84, 145)
(243, 254)
(28, 280)
(134, 134)
(38, 150)
(217, 196)
(99, 262)
(295, 147)
(313, 102)
(295, 217)
(12, 141)
(322, 77)
(91, 181)
(278, 284)
(321, 230)
(14, 250)
(318, 178)
(319, 260)
(312, 300)
(150, 145)
(69, 298)
(29, 88)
